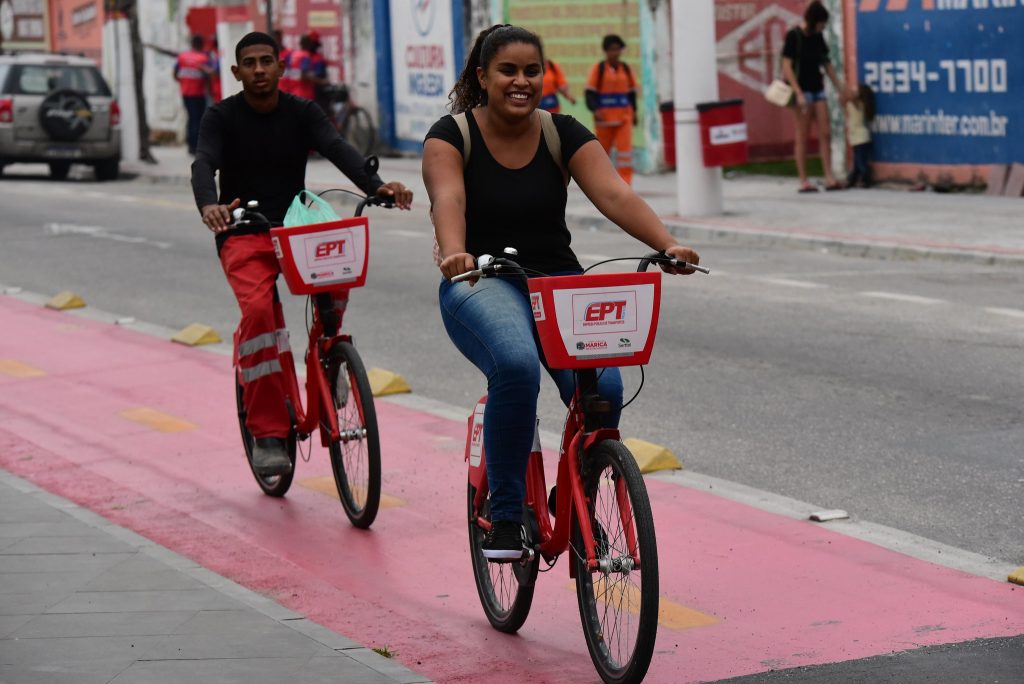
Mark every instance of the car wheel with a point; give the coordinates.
(108, 169)
(59, 170)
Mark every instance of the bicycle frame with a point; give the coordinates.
(318, 391)
(571, 501)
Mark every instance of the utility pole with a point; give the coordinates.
(268, 7)
(695, 76)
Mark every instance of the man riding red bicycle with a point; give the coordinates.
(259, 142)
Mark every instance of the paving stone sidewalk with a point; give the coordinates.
(83, 601)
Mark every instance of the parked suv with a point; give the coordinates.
(58, 110)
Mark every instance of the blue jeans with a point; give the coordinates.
(861, 172)
(491, 323)
(195, 107)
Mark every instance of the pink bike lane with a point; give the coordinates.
(143, 432)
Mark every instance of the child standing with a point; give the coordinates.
(860, 112)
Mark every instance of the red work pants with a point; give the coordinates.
(252, 269)
(618, 134)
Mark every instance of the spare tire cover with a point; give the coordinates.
(65, 115)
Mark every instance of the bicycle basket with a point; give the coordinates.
(597, 320)
(323, 256)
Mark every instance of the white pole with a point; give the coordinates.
(695, 75)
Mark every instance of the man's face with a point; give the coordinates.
(613, 53)
(258, 70)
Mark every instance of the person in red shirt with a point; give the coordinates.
(285, 85)
(216, 93)
(192, 72)
(555, 84)
(611, 95)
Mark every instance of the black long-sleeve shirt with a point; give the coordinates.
(262, 156)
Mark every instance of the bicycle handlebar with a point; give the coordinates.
(490, 266)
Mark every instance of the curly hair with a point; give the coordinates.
(467, 92)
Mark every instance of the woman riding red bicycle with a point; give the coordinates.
(511, 191)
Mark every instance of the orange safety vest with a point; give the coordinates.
(554, 78)
(298, 61)
(191, 76)
(613, 86)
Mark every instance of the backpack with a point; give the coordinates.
(548, 131)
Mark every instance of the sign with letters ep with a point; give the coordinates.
(948, 77)
(423, 59)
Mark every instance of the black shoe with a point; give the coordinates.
(504, 542)
(552, 499)
(270, 456)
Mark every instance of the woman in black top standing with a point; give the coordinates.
(512, 193)
(804, 55)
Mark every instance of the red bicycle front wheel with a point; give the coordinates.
(355, 456)
(619, 599)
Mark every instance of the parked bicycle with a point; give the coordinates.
(316, 260)
(600, 505)
(353, 122)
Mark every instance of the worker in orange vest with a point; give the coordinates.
(555, 84)
(286, 84)
(611, 95)
(192, 71)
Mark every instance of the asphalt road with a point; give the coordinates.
(893, 390)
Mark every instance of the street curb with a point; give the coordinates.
(696, 230)
(693, 231)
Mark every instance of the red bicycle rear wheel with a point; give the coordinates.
(272, 485)
(505, 589)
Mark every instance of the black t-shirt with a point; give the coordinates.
(262, 156)
(522, 208)
(809, 54)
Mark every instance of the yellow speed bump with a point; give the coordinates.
(385, 382)
(1017, 576)
(65, 300)
(157, 420)
(326, 485)
(196, 334)
(17, 369)
(651, 457)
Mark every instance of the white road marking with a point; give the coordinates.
(895, 296)
(407, 233)
(999, 311)
(101, 233)
(791, 283)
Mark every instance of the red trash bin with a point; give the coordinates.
(723, 132)
(668, 132)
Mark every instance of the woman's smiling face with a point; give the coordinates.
(514, 79)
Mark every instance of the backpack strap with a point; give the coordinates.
(460, 121)
(553, 141)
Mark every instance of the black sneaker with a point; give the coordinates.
(270, 456)
(504, 542)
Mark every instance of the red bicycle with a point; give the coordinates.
(318, 260)
(600, 506)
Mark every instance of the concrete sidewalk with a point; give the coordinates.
(761, 210)
(85, 601)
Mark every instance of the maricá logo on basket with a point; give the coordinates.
(594, 344)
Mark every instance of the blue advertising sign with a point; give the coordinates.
(948, 77)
